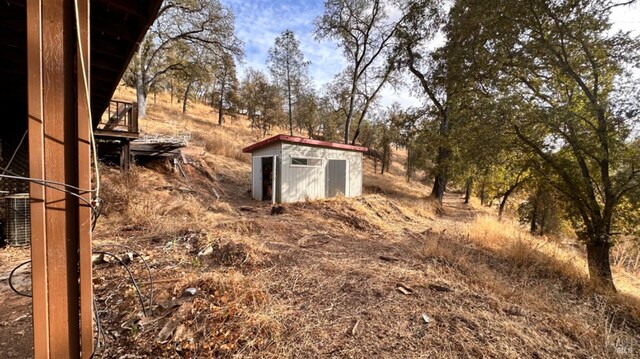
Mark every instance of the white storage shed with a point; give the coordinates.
(290, 169)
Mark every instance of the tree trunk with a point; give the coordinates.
(467, 193)
(439, 186)
(543, 222)
(290, 116)
(534, 211)
(534, 219)
(221, 102)
(141, 98)
(347, 126)
(599, 264)
(141, 93)
(384, 161)
(503, 203)
(409, 163)
(505, 198)
(483, 193)
(440, 182)
(185, 99)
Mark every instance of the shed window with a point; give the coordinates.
(309, 162)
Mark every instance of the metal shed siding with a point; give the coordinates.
(301, 183)
(355, 174)
(268, 151)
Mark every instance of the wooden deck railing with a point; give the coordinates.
(120, 117)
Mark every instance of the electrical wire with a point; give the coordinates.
(18, 176)
(133, 280)
(99, 331)
(10, 280)
(85, 79)
(15, 152)
(44, 183)
(150, 306)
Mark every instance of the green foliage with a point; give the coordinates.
(557, 78)
(289, 71)
(182, 44)
(261, 101)
(543, 210)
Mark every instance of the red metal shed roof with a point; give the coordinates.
(302, 141)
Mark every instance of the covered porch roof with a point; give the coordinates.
(116, 27)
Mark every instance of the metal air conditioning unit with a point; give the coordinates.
(17, 222)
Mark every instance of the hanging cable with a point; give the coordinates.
(17, 176)
(46, 184)
(85, 80)
(15, 152)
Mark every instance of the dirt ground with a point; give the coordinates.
(15, 311)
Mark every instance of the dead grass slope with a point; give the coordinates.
(344, 278)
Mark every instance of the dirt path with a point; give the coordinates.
(456, 210)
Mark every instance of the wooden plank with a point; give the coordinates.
(84, 181)
(59, 148)
(36, 191)
(106, 134)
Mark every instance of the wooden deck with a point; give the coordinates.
(120, 120)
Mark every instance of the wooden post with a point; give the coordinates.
(83, 81)
(125, 155)
(58, 151)
(39, 281)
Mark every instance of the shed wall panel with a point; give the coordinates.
(305, 182)
(256, 189)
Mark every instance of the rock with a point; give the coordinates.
(426, 318)
(404, 289)
(98, 259)
(207, 251)
(189, 292)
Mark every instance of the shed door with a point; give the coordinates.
(336, 177)
(257, 178)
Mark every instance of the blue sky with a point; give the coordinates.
(259, 22)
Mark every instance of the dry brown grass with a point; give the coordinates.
(296, 284)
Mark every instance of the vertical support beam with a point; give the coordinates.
(84, 180)
(61, 209)
(134, 118)
(125, 155)
(40, 302)
(59, 151)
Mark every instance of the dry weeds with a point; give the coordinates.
(321, 279)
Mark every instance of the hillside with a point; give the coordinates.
(386, 275)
